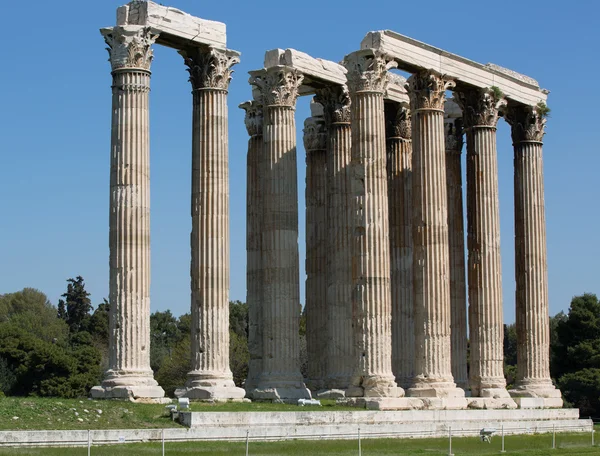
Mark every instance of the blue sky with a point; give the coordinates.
(55, 129)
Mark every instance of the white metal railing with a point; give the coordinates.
(91, 438)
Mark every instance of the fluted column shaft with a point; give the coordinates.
(339, 346)
(532, 321)
(254, 125)
(315, 144)
(480, 115)
(210, 377)
(371, 294)
(433, 372)
(456, 251)
(531, 266)
(399, 175)
(130, 222)
(129, 373)
(485, 268)
(280, 377)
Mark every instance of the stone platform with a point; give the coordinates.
(405, 424)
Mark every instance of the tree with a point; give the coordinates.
(30, 310)
(76, 307)
(238, 318)
(164, 335)
(577, 343)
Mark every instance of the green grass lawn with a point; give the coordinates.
(532, 445)
(29, 413)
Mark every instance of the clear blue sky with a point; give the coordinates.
(55, 129)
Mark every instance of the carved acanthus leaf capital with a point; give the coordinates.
(398, 121)
(480, 107)
(129, 46)
(278, 85)
(368, 71)
(210, 68)
(453, 130)
(336, 104)
(527, 123)
(315, 134)
(427, 90)
(254, 117)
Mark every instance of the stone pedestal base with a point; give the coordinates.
(439, 389)
(210, 387)
(405, 403)
(283, 391)
(139, 393)
(212, 393)
(538, 402)
(131, 385)
(537, 396)
(394, 403)
(494, 393)
(488, 403)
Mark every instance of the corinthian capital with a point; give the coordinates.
(278, 85)
(254, 117)
(527, 123)
(368, 70)
(480, 107)
(315, 134)
(336, 104)
(210, 68)
(427, 90)
(397, 121)
(129, 46)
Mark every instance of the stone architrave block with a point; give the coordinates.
(176, 28)
(396, 90)
(318, 70)
(413, 55)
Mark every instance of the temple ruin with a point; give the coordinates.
(387, 285)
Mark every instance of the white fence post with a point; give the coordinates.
(162, 438)
(359, 448)
(554, 437)
(450, 441)
(593, 430)
(503, 450)
(89, 442)
(247, 440)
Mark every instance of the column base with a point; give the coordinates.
(439, 388)
(279, 390)
(374, 386)
(130, 385)
(488, 403)
(210, 386)
(529, 394)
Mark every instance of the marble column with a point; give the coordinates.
(210, 377)
(280, 378)
(399, 176)
(532, 321)
(371, 294)
(480, 116)
(315, 145)
(129, 374)
(340, 351)
(254, 125)
(456, 243)
(431, 275)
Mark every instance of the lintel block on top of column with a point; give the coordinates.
(177, 29)
(413, 55)
(317, 72)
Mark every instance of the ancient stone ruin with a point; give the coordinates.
(386, 295)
